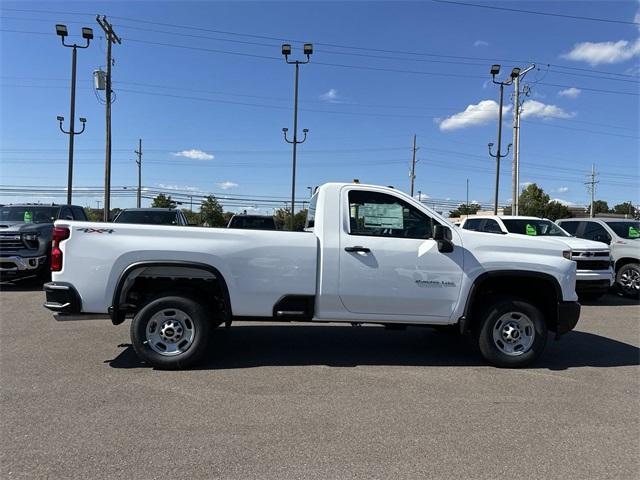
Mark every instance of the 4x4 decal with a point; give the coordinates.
(96, 230)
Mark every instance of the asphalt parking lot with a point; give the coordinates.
(316, 401)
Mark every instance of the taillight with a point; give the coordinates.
(59, 234)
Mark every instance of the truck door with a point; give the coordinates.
(389, 263)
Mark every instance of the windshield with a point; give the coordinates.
(28, 214)
(630, 229)
(534, 227)
(150, 217)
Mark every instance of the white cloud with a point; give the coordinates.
(566, 203)
(562, 189)
(479, 114)
(596, 53)
(571, 92)
(194, 154)
(187, 188)
(480, 43)
(227, 185)
(534, 108)
(331, 96)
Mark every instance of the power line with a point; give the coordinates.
(532, 12)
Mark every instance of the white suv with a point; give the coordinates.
(593, 260)
(623, 238)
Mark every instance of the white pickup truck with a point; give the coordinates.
(369, 254)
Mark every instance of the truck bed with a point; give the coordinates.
(258, 266)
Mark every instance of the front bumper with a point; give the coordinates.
(62, 298)
(591, 281)
(15, 266)
(568, 315)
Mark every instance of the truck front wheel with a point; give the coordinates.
(171, 332)
(513, 333)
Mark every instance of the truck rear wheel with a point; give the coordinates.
(171, 332)
(513, 333)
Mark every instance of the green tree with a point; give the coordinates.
(283, 219)
(625, 208)
(211, 212)
(193, 218)
(93, 214)
(600, 206)
(555, 210)
(533, 201)
(463, 209)
(163, 201)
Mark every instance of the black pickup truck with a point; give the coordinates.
(25, 238)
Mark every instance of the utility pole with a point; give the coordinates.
(307, 49)
(467, 195)
(139, 163)
(412, 175)
(98, 203)
(591, 185)
(111, 38)
(517, 74)
(87, 34)
(495, 70)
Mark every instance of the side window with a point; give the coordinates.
(472, 224)
(382, 215)
(311, 212)
(78, 214)
(570, 227)
(595, 231)
(491, 226)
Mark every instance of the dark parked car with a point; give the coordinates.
(152, 216)
(252, 222)
(25, 238)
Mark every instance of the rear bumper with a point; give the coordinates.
(568, 315)
(62, 298)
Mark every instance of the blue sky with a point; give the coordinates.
(205, 87)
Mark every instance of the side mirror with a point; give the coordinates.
(442, 236)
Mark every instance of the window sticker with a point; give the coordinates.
(531, 230)
(28, 217)
(382, 215)
(633, 232)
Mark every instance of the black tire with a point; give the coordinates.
(188, 315)
(628, 280)
(496, 318)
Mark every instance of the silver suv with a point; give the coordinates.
(623, 238)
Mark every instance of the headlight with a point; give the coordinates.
(566, 254)
(30, 237)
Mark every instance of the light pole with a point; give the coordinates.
(516, 75)
(87, 34)
(495, 70)
(286, 51)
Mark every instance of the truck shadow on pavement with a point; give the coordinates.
(24, 286)
(339, 346)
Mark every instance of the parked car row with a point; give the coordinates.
(606, 250)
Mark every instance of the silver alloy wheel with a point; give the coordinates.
(514, 333)
(630, 280)
(170, 332)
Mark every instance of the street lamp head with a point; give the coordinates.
(490, 145)
(515, 73)
(285, 129)
(87, 33)
(83, 120)
(495, 69)
(61, 30)
(286, 49)
(307, 49)
(305, 130)
(60, 119)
